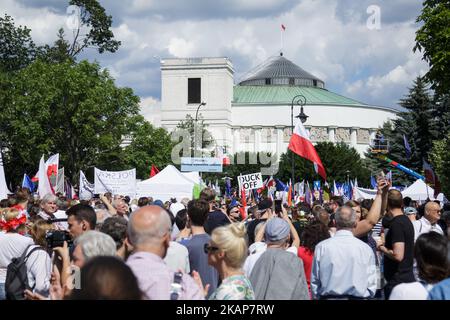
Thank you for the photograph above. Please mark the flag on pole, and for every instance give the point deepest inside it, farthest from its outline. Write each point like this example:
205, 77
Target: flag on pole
27, 183
244, 204
86, 191
60, 182
154, 170
289, 199
335, 189
227, 187
4, 191
373, 182
302, 145
407, 147
44, 182
51, 167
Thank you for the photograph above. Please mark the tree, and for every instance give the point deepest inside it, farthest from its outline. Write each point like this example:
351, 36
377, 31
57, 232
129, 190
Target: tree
432, 39
17, 49
73, 109
188, 125
440, 158
418, 125
340, 161
93, 30
149, 145
441, 114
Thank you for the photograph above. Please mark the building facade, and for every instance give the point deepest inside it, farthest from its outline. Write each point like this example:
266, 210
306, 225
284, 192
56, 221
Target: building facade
255, 114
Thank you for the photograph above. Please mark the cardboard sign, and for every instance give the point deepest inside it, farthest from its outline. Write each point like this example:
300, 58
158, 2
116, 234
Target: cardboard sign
250, 181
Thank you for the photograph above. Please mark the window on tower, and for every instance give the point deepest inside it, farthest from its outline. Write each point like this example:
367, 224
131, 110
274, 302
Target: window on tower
194, 90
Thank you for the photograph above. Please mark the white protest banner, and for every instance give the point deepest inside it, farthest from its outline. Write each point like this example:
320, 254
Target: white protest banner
250, 181
116, 182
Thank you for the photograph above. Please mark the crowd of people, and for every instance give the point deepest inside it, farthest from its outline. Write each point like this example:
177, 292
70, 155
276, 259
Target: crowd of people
113, 247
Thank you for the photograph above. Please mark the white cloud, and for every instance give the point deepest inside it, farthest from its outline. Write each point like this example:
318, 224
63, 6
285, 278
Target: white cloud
179, 47
325, 38
150, 109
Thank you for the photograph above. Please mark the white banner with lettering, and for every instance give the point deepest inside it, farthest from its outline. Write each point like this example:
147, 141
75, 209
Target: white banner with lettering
250, 181
116, 182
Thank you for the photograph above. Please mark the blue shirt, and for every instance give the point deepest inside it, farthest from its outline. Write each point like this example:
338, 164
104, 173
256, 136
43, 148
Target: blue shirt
441, 291
343, 265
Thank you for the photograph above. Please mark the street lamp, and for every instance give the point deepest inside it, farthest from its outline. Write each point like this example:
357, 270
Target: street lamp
195, 127
301, 101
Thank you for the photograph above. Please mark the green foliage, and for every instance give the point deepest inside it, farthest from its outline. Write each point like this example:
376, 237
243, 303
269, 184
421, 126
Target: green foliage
421, 124
73, 109
17, 49
148, 146
433, 40
189, 125
440, 158
97, 25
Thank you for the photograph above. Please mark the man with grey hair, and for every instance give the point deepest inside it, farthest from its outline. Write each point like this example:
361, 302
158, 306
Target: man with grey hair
428, 222
149, 230
343, 266
92, 244
49, 211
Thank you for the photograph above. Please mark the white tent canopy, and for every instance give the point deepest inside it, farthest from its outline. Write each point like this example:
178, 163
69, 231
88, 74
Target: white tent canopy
193, 175
420, 191
168, 183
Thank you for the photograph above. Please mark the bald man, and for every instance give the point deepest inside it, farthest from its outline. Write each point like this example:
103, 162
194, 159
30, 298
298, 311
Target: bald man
429, 220
149, 230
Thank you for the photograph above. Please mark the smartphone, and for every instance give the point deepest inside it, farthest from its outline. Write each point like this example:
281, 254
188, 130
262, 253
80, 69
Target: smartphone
278, 206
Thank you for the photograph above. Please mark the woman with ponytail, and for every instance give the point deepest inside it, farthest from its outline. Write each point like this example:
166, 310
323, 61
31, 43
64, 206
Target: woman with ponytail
227, 251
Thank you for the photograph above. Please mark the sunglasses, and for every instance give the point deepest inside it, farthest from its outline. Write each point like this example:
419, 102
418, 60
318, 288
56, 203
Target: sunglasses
209, 249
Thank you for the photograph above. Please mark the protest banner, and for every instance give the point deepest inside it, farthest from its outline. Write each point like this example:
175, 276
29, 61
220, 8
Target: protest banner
250, 181
116, 182
201, 164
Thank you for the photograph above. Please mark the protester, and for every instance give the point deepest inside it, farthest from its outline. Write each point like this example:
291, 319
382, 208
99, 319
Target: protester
107, 278
268, 232
39, 263
430, 252
81, 218
149, 232
116, 228
398, 248
278, 274
428, 223
177, 256
343, 266
313, 234
264, 211
13, 243
216, 218
197, 211
233, 212
227, 251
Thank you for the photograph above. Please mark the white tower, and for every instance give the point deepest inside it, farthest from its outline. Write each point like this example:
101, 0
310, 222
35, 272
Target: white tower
187, 82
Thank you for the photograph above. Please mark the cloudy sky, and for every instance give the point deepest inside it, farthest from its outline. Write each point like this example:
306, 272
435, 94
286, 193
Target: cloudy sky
338, 41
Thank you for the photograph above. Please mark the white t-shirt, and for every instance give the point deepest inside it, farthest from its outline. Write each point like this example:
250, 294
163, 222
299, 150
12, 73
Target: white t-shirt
410, 291
177, 257
259, 249
12, 245
39, 269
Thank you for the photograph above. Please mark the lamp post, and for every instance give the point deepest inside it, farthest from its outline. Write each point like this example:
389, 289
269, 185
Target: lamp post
301, 101
195, 127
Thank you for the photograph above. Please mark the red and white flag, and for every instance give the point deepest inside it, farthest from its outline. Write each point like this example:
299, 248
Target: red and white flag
302, 145
44, 183
51, 167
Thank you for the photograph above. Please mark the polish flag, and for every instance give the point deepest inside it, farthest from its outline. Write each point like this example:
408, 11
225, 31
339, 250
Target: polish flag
51, 168
302, 145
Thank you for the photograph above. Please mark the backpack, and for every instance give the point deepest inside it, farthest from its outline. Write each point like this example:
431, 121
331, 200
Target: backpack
17, 276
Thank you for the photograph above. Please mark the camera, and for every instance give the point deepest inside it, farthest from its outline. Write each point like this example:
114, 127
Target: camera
56, 238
